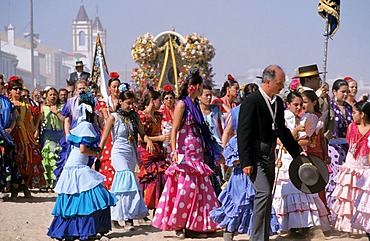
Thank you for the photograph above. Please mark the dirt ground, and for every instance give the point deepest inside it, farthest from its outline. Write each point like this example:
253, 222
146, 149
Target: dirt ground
29, 218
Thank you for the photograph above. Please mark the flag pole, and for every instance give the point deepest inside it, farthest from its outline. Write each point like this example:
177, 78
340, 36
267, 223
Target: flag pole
326, 43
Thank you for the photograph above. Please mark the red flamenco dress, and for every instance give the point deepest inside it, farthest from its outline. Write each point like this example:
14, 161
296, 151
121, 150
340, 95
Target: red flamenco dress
151, 174
106, 167
28, 155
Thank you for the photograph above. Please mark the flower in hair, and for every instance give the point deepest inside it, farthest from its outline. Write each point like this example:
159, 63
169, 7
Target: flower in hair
167, 88
347, 78
122, 87
113, 75
230, 77
295, 84
191, 89
13, 78
87, 97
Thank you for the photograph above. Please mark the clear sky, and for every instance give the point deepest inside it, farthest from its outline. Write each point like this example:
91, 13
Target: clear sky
248, 34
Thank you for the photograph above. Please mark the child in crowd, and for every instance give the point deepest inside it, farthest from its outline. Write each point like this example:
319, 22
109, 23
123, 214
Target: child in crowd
82, 208
297, 211
353, 179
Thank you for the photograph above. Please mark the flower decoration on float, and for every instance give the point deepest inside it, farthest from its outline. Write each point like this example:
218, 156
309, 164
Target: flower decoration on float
146, 74
196, 49
144, 49
205, 71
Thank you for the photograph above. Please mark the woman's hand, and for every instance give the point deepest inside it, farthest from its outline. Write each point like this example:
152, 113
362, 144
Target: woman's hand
175, 158
149, 146
9, 130
166, 137
278, 163
54, 109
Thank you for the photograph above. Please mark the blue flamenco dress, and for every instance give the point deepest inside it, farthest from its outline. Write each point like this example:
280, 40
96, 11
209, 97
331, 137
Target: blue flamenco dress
82, 208
237, 198
70, 109
125, 186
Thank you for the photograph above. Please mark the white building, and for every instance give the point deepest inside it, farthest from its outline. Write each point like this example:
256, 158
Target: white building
84, 33
48, 61
52, 65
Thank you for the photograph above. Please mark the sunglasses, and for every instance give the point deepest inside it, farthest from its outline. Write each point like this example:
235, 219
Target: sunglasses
2, 83
25, 96
69, 92
168, 98
17, 88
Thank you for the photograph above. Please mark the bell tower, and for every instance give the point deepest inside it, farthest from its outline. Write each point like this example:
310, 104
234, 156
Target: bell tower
97, 28
82, 38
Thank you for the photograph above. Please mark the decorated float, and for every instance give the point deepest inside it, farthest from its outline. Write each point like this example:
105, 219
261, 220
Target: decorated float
169, 58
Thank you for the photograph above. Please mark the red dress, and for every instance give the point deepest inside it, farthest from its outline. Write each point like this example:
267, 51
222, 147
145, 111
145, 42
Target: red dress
315, 149
106, 168
151, 174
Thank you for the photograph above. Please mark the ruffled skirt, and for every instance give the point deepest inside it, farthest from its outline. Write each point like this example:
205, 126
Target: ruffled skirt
361, 217
345, 194
187, 199
50, 155
130, 203
82, 208
236, 209
152, 176
294, 208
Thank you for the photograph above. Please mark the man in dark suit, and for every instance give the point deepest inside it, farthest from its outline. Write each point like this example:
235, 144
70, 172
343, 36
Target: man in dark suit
261, 121
78, 75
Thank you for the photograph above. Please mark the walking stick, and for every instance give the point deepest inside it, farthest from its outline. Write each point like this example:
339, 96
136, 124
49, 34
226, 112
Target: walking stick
280, 153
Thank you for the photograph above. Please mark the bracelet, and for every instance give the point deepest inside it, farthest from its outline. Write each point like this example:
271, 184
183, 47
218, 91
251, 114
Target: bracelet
175, 152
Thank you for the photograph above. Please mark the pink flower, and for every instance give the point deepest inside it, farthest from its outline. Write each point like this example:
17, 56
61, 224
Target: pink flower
191, 89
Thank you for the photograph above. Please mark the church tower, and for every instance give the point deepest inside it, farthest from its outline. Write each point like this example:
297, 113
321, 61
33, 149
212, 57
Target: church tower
97, 28
83, 38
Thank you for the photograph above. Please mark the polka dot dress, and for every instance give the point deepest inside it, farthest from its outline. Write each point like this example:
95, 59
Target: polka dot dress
106, 168
188, 195
337, 151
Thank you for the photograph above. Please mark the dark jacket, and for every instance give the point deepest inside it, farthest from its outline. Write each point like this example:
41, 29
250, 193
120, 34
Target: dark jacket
73, 77
256, 139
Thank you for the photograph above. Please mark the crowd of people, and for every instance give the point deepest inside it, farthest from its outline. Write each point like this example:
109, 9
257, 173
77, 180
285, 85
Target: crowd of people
198, 160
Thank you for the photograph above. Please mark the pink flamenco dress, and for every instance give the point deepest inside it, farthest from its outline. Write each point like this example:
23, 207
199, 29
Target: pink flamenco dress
353, 183
188, 195
106, 167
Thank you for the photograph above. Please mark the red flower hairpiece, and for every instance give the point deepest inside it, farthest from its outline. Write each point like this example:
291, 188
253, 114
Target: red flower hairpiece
167, 88
230, 77
347, 78
12, 78
113, 75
